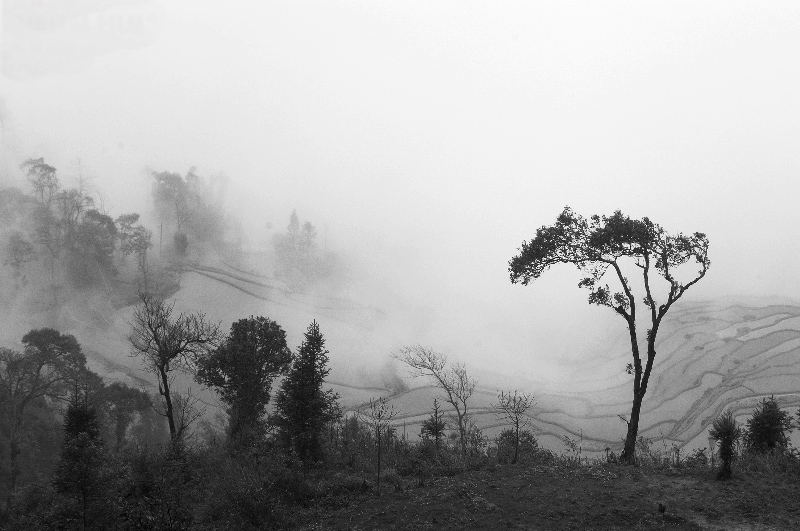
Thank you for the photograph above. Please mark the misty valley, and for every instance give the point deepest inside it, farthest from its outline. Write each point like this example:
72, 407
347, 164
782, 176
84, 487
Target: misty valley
160, 372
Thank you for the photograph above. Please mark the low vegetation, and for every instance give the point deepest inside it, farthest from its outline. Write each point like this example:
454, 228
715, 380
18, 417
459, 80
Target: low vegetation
308, 465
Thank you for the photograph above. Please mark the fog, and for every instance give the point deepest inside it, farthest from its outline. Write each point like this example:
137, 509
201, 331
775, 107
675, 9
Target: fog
427, 140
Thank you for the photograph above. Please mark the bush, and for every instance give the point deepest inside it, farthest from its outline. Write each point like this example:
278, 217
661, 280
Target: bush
528, 445
31, 508
698, 459
769, 465
243, 491
768, 429
727, 434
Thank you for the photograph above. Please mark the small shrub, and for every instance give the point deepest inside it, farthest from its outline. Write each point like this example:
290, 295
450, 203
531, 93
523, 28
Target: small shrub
528, 445
32, 508
574, 447
698, 459
727, 434
769, 465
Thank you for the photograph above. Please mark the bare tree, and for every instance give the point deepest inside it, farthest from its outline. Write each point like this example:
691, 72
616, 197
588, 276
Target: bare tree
454, 381
378, 416
511, 408
167, 343
187, 411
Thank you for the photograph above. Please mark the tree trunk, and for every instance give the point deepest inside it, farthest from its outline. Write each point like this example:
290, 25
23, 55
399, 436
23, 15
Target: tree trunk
629, 452
168, 401
463, 433
119, 430
14, 452
378, 434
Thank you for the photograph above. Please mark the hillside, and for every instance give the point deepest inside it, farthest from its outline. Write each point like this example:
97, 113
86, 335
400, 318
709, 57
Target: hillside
563, 496
711, 356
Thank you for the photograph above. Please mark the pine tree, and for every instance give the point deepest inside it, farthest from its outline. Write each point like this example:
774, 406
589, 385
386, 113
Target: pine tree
81, 472
769, 427
434, 425
303, 408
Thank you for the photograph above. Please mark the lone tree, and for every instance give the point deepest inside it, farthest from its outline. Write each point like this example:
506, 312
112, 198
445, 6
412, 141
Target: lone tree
604, 244
167, 343
242, 370
511, 408
454, 381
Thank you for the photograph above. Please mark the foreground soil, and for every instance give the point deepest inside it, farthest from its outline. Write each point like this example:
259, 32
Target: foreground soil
563, 496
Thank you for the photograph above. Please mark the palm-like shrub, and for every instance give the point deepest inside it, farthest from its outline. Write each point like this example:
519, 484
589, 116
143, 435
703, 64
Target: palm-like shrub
727, 434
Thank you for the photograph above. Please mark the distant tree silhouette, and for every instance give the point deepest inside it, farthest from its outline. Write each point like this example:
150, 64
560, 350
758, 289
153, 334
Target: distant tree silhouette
44, 180
141, 243
602, 244
18, 252
190, 205
176, 200
181, 243
242, 369
303, 408
91, 250
125, 227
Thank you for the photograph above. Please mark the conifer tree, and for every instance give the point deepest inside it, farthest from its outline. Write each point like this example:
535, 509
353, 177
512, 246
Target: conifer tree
769, 428
303, 408
81, 472
434, 425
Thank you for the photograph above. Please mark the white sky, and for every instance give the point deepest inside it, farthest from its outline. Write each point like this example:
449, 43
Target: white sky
441, 134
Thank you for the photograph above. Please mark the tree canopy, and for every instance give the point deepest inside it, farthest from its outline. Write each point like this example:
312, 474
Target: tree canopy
605, 244
243, 367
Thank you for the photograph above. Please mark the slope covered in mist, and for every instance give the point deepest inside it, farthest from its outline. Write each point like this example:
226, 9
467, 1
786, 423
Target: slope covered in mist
711, 356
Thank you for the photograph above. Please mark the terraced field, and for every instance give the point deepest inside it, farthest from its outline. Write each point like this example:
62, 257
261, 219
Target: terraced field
711, 356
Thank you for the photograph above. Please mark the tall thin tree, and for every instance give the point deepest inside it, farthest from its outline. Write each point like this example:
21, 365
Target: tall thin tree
603, 245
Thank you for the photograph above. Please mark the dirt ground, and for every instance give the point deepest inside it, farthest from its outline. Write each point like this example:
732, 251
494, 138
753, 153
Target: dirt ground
562, 497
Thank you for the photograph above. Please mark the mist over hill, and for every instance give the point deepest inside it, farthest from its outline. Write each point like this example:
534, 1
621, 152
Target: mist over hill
712, 356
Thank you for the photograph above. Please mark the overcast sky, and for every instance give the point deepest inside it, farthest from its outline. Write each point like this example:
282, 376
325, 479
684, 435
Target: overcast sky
440, 134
